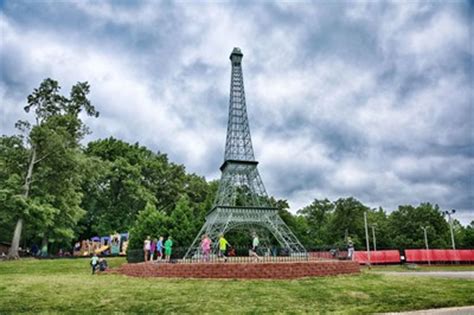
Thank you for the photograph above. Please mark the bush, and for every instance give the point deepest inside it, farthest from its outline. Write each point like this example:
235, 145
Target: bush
150, 222
135, 255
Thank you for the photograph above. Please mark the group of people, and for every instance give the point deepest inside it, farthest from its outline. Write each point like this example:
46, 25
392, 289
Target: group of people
223, 247
150, 247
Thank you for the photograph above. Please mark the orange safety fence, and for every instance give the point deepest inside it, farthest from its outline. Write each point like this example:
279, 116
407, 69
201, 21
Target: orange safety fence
378, 257
439, 255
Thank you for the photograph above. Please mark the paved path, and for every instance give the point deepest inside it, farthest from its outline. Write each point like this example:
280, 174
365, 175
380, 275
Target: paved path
466, 310
441, 274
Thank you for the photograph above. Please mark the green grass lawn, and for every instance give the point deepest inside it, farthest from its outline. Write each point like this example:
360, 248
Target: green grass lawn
66, 285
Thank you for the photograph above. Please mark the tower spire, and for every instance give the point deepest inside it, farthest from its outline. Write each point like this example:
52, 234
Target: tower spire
238, 143
240, 183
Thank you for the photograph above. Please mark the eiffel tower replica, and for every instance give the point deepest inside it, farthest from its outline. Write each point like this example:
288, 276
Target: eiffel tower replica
242, 200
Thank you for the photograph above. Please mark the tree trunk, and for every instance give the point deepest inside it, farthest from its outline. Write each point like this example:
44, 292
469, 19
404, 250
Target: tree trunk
13, 251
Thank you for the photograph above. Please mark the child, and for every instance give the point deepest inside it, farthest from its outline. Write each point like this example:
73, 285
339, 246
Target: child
146, 248
102, 264
152, 249
168, 245
94, 262
159, 248
223, 247
206, 247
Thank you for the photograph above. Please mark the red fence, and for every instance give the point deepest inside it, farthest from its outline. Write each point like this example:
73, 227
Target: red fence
411, 255
378, 257
439, 255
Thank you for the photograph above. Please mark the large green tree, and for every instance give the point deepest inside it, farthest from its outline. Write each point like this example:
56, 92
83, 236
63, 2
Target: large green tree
348, 221
13, 161
405, 226
127, 177
50, 189
318, 215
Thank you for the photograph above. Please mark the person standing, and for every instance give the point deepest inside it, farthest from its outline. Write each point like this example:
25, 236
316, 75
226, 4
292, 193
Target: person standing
44, 249
206, 247
159, 248
223, 247
152, 249
94, 262
350, 248
255, 244
146, 248
168, 246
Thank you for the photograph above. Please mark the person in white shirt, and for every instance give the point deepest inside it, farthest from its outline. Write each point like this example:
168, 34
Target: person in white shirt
146, 248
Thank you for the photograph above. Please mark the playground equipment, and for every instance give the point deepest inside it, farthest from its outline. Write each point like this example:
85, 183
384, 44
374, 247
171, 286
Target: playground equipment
115, 244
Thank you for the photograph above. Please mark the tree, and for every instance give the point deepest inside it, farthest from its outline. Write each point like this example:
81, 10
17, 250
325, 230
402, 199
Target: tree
405, 226
50, 183
468, 240
181, 226
318, 215
13, 161
149, 222
348, 220
378, 218
130, 177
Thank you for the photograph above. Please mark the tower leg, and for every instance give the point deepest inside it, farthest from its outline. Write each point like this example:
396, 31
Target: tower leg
284, 235
222, 220
216, 224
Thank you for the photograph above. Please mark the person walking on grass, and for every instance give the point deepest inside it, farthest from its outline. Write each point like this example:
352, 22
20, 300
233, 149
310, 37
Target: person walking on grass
152, 249
159, 249
94, 262
223, 247
168, 246
206, 247
146, 248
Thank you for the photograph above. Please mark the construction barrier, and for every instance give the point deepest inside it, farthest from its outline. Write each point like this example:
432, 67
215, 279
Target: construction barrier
439, 255
378, 257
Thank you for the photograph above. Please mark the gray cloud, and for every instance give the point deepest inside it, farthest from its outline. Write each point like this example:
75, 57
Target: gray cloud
370, 100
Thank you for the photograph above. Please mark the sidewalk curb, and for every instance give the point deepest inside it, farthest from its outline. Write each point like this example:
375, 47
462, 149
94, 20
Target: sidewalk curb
463, 310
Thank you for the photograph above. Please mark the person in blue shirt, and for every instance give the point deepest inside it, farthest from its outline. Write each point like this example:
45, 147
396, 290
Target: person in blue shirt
159, 248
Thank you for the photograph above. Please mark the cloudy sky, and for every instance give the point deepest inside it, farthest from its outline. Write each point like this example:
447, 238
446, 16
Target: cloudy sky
371, 100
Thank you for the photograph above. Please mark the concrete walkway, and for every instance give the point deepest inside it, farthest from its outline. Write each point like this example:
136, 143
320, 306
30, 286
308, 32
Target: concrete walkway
441, 274
466, 310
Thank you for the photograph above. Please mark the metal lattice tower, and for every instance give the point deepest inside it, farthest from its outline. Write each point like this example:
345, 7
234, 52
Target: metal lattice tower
241, 199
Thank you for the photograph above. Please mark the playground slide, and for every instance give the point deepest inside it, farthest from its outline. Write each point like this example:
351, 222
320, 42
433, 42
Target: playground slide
101, 249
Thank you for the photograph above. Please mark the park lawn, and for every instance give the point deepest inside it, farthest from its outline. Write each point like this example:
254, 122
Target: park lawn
66, 285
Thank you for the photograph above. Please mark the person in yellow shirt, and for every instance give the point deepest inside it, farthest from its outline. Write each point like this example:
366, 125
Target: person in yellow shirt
223, 247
